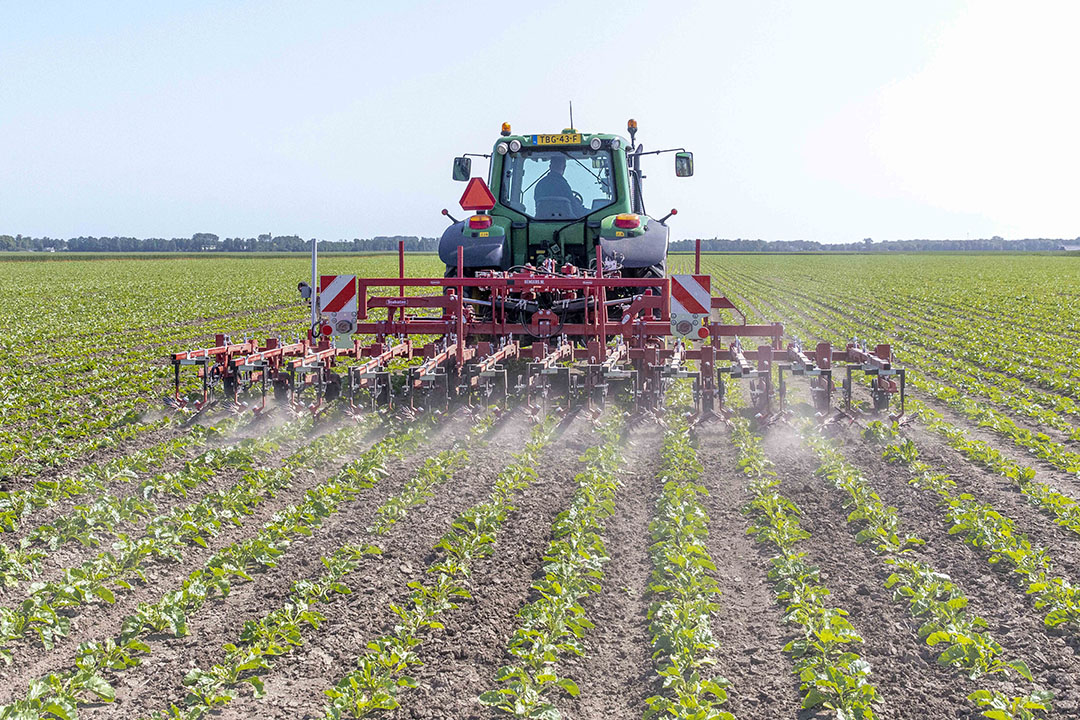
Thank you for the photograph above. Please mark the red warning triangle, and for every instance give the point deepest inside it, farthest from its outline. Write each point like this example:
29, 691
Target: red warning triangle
477, 196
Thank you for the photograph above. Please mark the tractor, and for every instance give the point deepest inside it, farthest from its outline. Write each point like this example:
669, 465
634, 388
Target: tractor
556, 199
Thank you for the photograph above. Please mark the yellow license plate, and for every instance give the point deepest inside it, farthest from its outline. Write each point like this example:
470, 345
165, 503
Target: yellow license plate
563, 139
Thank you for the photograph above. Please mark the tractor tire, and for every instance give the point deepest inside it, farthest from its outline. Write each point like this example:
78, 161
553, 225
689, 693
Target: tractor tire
333, 387
658, 271
281, 391
230, 385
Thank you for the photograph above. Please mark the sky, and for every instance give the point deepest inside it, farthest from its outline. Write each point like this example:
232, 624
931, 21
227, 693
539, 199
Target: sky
829, 121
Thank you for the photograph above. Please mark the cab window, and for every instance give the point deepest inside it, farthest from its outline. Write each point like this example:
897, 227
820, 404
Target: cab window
562, 184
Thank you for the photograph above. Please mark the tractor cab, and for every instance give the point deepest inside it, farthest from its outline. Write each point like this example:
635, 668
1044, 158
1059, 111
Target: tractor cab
555, 199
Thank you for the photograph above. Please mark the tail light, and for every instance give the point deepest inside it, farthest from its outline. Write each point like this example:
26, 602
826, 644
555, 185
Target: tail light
480, 222
627, 221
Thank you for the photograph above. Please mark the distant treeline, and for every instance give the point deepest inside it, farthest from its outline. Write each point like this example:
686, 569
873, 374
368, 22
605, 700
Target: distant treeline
994, 244
208, 242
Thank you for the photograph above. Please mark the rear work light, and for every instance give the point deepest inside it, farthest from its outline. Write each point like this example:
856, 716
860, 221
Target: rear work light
480, 222
627, 221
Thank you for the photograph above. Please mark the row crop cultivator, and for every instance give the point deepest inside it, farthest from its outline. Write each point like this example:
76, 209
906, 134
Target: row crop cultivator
556, 290
569, 336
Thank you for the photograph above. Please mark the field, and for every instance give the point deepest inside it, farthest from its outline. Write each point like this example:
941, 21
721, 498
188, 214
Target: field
487, 564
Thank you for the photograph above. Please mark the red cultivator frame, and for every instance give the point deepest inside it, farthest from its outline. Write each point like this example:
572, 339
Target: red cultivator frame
564, 335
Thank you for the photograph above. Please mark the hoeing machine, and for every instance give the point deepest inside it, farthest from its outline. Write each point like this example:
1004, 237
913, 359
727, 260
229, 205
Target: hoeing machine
555, 287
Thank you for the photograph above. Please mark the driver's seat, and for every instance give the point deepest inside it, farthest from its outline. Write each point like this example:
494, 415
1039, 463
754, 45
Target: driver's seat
553, 207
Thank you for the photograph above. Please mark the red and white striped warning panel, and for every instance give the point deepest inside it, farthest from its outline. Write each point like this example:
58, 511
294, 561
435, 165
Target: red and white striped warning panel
337, 303
337, 293
691, 303
691, 293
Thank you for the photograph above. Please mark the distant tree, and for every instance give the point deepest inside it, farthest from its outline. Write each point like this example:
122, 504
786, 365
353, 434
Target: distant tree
205, 241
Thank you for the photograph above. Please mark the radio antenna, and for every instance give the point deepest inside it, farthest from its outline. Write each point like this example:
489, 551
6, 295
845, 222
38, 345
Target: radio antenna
571, 113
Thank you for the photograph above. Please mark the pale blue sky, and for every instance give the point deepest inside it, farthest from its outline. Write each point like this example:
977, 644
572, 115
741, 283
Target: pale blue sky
828, 121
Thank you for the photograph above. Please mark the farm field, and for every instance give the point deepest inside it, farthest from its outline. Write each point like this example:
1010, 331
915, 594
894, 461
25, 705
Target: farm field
486, 563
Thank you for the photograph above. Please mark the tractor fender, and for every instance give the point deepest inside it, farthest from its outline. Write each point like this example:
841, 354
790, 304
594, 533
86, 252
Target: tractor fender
645, 250
486, 252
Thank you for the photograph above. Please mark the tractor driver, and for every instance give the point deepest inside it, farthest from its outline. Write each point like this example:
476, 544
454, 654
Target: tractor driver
554, 185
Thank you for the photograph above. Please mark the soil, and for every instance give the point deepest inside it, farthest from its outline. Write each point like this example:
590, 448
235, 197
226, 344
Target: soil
749, 625
616, 673
463, 662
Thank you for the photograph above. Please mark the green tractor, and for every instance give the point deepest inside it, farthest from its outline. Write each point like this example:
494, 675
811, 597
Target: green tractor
558, 197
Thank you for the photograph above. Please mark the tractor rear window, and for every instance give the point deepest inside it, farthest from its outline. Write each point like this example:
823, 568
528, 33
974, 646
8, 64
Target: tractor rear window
563, 184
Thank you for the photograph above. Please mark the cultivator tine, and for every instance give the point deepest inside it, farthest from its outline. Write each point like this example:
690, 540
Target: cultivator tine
816, 368
198, 413
760, 376
901, 417
876, 365
486, 373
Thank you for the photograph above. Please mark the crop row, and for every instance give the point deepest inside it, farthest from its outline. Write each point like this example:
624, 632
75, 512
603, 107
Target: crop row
917, 349
279, 631
912, 301
96, 478
957, 637
1063, 509
78, 373
86, 524
831, 674
23, 562
555, 623
383, 669
997, 536
682, 584
1037, 443
31, 451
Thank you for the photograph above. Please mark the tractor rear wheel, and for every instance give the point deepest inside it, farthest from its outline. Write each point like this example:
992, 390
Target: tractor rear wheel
333, 387
659, 270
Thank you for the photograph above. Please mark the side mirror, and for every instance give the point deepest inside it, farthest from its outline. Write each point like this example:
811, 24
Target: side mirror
684, 164
462, 168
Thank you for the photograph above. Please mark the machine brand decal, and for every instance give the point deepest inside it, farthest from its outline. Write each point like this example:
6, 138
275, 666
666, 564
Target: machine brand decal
392, 301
